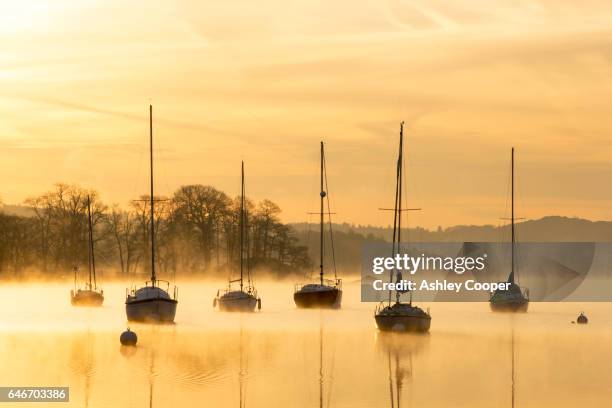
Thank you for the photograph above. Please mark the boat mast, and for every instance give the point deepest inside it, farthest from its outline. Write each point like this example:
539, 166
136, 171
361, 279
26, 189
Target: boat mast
242, 226
92, 260
395, 204
511, 277
322, 215
399, 198
152, 221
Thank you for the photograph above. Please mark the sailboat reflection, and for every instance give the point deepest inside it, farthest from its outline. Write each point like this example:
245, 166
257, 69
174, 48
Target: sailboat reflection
400, 350
325, 400
512, 370
151, 378
243, 369
83, 363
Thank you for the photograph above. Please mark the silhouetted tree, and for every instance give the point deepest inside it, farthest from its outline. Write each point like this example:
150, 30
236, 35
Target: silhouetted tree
201, 208
197, 224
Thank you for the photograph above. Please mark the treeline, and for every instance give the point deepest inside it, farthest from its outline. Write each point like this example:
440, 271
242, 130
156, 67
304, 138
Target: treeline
545, 229
196, 230
344, 251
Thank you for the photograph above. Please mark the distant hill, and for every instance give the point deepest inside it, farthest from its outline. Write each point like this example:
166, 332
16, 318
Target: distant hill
349, 239
551, 228
19, 210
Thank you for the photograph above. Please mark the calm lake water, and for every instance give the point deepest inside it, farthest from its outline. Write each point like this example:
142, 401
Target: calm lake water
284, 357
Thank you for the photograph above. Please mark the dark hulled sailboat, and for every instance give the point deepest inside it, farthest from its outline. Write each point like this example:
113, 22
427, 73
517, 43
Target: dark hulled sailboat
245, 299
402, 317
151, 303
326, 293
91, 295
515, 298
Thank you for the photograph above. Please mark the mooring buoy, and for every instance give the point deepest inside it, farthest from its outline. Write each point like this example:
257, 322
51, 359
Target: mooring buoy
128, 338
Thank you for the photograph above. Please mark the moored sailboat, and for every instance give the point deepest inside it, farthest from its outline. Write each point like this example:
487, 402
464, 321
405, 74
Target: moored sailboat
151, 303
325, 293
91, 294
399, 316
515, 298
245, 299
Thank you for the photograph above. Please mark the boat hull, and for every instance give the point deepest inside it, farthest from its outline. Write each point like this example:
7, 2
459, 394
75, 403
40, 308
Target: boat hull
402, 317
246, 303
514, 299
511, 300
88, 298
395, 323
158, 310
318, 299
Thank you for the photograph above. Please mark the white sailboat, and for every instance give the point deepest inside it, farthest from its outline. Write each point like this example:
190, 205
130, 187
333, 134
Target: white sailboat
245, 298
326, 293
398, 316
91, 294
515, 298
152, 303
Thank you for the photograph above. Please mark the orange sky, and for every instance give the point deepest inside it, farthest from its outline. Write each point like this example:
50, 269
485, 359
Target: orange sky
265, 81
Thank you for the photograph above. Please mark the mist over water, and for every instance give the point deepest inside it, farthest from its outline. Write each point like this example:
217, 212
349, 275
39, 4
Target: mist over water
285, 357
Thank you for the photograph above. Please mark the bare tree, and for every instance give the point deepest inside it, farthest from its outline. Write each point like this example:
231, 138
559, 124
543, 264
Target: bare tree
199, 207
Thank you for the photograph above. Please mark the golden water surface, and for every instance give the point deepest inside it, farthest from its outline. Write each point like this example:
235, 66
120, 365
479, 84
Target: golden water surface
284, 357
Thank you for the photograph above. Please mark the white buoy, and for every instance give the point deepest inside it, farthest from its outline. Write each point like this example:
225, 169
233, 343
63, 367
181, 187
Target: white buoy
128, 338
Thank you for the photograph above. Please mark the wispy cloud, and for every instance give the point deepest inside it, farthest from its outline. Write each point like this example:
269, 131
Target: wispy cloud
266, 81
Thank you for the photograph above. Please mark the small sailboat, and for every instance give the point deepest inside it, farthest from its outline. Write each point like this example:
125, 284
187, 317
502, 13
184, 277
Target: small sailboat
325, 293
402, 317
244, 299
151, 303
91, 294
515, 298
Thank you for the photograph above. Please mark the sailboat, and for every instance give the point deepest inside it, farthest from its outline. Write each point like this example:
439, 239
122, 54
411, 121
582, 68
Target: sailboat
402, 317
515, 298
326, 293
151, 303
245, 299
91, 295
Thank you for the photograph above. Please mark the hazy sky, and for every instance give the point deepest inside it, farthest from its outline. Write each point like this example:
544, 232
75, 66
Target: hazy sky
265, 81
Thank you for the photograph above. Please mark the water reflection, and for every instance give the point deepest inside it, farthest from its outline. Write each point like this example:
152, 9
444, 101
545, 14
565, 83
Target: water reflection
243, 371
326, 364
399, 349
152, 376
512, 364
82, 362
285, 357
127, 351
